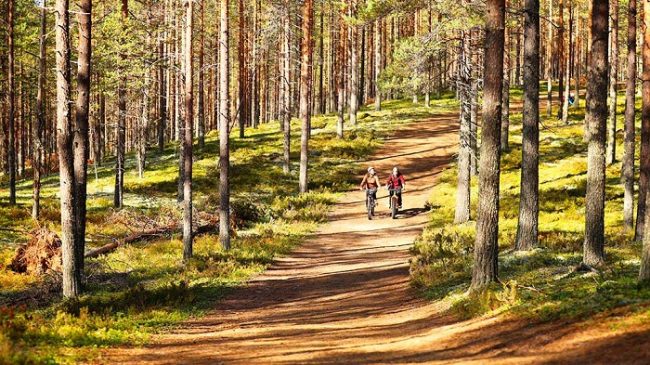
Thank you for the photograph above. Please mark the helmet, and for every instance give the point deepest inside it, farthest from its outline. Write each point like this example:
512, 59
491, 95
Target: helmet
371, 169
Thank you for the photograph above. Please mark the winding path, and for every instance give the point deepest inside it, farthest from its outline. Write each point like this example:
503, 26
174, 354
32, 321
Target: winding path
343, 297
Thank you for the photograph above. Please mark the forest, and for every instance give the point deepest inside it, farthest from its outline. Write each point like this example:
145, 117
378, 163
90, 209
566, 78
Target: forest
191, 181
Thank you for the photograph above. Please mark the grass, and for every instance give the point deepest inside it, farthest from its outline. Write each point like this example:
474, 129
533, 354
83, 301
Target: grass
144, 288
541, 284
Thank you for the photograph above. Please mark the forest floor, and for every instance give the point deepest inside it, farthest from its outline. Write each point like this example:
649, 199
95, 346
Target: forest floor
345, 296
341, 294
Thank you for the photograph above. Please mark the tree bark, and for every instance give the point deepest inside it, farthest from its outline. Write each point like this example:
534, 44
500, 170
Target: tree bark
486, 249
462, 214
121, 125
285, 84
630, 115
340, 79
224, 124
201, 90
81, 128
644, 272
561, 57
188, 134
567, 71
596, 117
613, 75
378, 62
11, 91
354, 68
71, 268
305, 81
527, 227
243, 75
38, 149
162, 88
505, 113
549, 62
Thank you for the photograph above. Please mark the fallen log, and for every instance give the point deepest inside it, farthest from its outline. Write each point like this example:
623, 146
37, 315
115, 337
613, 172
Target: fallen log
148, 235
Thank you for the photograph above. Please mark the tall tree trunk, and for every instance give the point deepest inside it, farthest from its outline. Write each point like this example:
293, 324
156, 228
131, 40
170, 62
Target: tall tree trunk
142, 125
644, 272
505, 100
462, 214
188, 134
71, 270
354, 67
254, 101
201, 91
561, 57
162, 88
81, 128
319, 107
243, 75
305, 86
340, 79
549, 62
567, 70
630, 114
596, 117
11, 91
121, 125
333, 62
527, 227
224, 124
613, 75
475, 34
378, 62
486, 252
285, 84
38, 150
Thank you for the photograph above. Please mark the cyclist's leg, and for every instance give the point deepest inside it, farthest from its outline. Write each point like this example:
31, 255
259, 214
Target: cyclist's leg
399, 197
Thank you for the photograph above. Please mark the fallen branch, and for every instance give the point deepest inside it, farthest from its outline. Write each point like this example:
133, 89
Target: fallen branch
148, 235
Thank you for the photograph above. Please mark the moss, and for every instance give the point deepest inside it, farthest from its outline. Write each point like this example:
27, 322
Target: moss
547, 286
141, 288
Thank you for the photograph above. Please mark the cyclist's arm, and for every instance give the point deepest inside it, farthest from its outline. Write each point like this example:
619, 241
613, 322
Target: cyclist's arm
403, 181
364, 181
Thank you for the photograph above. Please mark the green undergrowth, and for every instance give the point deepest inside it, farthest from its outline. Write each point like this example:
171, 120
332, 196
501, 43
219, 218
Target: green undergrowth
542, 284
143, 288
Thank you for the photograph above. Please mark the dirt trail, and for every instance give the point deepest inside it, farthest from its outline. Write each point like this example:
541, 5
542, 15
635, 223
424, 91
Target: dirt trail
344, 295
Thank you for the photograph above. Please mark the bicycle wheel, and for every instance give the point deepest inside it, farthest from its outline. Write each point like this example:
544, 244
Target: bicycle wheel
369, 205
393, 207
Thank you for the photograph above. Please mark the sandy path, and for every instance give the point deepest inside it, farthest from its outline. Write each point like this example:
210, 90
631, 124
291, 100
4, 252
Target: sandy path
344, 296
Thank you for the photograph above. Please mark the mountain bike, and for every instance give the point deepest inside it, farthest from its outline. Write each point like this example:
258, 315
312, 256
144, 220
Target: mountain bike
394, 201
370, 202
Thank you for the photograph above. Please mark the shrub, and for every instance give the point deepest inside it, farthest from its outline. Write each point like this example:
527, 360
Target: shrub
442, 259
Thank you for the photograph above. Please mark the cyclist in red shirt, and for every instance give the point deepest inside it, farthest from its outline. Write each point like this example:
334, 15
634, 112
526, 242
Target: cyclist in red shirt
397, 183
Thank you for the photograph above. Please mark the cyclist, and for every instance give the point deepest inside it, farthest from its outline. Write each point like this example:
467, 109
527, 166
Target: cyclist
371, 183
397, 183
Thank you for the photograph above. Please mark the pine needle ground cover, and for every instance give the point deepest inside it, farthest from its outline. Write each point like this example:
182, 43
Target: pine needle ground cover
541, 284
143, 288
